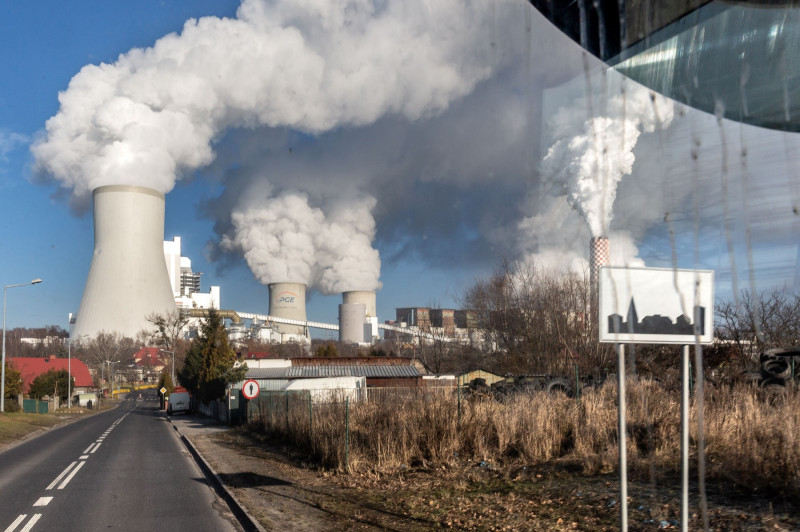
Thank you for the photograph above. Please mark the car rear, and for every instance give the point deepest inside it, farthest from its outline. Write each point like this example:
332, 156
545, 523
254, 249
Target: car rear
179, 401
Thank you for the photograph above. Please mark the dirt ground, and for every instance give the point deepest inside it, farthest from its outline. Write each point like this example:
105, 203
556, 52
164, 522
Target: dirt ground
283, 493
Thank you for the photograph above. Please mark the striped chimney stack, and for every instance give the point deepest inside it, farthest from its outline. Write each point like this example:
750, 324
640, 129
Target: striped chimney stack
599, 255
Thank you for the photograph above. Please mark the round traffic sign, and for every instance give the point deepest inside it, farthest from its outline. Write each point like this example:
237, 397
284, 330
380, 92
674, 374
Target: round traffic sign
250, 389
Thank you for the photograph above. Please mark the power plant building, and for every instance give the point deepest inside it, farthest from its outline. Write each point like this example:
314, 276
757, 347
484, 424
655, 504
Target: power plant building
185, 282
445, 324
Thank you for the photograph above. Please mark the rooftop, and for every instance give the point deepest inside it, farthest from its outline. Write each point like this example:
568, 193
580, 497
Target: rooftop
32, 367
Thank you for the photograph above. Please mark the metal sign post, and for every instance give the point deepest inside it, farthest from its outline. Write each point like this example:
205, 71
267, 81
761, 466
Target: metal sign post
656, 306
685, 438
623, 439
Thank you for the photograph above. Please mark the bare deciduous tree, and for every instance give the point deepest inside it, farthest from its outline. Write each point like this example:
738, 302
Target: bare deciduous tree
169, 327
105, 353
754, 322
539, 320
169, 334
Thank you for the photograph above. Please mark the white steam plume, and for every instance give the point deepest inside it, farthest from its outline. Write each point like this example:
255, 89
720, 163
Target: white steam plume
285, 239
591, 154
306, 65
310, 65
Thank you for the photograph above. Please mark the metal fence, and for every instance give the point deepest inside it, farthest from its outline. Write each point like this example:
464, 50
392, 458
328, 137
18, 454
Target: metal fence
34, 406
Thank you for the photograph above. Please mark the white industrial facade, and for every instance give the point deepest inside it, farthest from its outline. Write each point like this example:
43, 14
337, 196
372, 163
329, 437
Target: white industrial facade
185, 282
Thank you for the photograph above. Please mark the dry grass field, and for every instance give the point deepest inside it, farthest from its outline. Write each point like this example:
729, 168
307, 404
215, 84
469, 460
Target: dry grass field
478, 463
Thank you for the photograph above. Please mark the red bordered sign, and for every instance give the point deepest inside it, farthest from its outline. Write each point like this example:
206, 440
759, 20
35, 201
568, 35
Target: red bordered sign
250, 389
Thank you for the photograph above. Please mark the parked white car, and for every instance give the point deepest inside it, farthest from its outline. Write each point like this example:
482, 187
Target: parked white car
179, 401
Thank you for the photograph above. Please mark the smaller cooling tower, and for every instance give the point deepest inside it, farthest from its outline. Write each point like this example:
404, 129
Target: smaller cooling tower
362, 296
351, 322
288, 300
128, 277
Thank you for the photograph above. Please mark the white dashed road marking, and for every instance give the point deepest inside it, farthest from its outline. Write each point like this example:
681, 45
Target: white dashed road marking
13, 526
30, 523
64, 478
72, 474
59, 477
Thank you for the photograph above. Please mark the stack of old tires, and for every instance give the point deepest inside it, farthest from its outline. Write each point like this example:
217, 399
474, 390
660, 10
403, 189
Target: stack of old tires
559, 386
479, 388
778, 368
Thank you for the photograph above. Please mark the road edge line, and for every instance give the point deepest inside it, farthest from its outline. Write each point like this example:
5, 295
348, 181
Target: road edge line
242, 515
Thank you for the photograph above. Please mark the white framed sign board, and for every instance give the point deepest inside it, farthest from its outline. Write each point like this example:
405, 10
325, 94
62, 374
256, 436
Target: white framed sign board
656, 306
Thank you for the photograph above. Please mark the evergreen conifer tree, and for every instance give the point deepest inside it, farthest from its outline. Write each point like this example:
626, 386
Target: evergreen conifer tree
209, 365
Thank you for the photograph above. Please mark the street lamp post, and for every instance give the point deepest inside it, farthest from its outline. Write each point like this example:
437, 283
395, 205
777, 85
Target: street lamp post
173, 364
111, 375
3, 363
69, 370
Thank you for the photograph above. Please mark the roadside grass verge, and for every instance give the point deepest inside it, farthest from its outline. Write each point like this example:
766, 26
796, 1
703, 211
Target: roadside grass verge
15, 426
751, 441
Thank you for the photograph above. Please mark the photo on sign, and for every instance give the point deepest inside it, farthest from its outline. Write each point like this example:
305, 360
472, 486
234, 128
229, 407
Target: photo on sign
656, 305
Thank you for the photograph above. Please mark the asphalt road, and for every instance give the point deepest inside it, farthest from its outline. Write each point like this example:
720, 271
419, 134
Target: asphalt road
123, 469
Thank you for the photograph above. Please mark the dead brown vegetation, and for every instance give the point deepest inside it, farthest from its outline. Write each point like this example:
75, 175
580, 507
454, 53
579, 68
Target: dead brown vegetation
751, 441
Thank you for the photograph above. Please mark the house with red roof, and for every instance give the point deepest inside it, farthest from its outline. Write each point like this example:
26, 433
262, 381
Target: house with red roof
150, 362
32, 367
150, 356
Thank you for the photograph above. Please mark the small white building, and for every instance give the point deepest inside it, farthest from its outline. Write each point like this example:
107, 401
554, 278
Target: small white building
330, 389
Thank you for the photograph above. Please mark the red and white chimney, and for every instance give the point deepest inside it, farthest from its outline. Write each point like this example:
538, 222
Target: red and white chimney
599, 255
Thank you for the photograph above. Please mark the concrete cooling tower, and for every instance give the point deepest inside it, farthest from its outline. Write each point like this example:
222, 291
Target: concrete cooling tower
351, 323
128, 277
362, 296
288, 300
369, 317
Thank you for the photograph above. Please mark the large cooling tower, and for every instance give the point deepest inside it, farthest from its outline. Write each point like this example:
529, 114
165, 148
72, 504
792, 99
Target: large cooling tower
362, 296
288, 300
128, 277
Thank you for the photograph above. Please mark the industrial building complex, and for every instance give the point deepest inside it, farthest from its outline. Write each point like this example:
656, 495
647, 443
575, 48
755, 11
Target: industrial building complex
134, 274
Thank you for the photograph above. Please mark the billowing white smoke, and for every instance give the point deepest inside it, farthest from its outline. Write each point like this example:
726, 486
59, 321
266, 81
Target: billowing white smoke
307, 65
284, 239
590, 155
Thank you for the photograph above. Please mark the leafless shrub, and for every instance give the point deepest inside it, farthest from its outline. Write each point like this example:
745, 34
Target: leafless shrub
538, 320
753, 322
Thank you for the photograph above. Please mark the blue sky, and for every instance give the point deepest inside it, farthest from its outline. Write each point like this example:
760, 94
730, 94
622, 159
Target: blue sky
42, 46
451, 185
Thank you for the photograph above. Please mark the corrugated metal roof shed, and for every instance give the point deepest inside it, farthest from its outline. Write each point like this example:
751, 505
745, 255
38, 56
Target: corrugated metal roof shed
266, 373
304, 372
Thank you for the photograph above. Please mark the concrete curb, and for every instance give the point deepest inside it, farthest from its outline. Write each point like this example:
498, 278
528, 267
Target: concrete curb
248, 522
